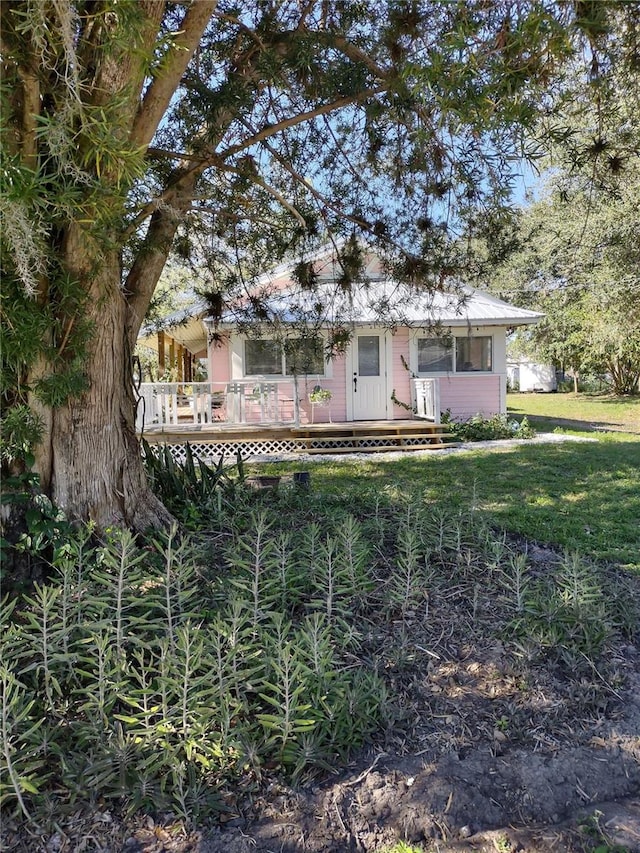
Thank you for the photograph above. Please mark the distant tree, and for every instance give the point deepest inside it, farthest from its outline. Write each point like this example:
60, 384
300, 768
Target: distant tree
575, 254
135, 128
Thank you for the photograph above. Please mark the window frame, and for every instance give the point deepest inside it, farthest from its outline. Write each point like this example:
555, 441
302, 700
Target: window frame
454, 354
470, 338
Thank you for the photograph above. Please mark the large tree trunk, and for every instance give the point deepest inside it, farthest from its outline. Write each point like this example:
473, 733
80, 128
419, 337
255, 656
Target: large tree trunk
90, 462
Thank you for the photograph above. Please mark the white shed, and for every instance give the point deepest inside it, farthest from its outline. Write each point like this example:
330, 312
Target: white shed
526, 375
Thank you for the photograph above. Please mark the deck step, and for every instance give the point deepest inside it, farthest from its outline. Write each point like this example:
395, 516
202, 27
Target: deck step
373, 448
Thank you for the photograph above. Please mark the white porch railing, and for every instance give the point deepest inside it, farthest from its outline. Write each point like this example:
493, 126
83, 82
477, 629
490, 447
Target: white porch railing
427, 399
250, 401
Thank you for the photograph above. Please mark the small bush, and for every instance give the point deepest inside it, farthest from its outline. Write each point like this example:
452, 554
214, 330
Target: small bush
496, 427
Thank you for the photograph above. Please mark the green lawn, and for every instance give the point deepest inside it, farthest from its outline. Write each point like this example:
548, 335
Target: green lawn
581, 496
578, 412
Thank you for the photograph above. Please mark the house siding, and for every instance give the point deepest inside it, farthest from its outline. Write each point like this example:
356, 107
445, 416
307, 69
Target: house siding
219, 361
337, 384
466, 396
401, 376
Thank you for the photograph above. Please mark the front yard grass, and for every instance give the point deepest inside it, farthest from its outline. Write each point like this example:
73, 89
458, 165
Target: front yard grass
577, 412
577, 496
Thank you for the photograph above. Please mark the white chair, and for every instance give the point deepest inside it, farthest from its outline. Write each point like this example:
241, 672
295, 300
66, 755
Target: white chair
265, 396
235, 402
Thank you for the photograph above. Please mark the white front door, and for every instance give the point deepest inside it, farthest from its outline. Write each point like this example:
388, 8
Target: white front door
370, 351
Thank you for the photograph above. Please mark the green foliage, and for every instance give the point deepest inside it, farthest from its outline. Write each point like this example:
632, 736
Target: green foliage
192, 488
479, 428
320, 395
50, 337
150, 686
575, 251
34, 530
563, 616
403, 847
575, 495
304, 123
21, 431
597, 833
155, 674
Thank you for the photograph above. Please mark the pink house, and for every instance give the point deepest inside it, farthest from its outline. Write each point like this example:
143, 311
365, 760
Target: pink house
405, 353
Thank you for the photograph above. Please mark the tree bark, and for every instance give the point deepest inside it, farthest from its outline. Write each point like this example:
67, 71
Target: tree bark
90, 462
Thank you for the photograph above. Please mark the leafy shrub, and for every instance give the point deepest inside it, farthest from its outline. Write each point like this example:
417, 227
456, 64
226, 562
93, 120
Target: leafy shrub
478, 428
190, 489
33, 529
131, 677
20, 431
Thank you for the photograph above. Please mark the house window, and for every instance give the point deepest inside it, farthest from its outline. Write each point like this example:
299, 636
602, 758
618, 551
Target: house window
304, 356
473, 353
262, 357
267, 357
434, 356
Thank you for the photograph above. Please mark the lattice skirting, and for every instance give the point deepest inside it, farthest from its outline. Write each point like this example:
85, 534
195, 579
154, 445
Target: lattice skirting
355, 442
211, 453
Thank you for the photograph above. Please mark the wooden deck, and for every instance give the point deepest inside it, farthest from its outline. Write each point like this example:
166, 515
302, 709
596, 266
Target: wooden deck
353, 437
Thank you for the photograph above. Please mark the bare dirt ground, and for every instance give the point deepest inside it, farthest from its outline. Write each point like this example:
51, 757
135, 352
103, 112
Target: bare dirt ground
486, 799
572, 786
486, 750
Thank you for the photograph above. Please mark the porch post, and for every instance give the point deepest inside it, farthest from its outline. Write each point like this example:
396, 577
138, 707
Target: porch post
161, 363
296, 401
180, 363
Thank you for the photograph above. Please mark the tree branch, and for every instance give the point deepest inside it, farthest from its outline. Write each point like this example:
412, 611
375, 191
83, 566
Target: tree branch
355, 54
173, 155
30, 113
200, 165
151, 258
322, 199
272, 130
158, 96
257, 179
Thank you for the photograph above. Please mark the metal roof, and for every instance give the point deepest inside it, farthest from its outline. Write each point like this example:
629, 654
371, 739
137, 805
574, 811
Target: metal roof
377, 301
391, 303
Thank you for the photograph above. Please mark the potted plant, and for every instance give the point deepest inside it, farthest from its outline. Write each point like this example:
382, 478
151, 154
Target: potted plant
320, 395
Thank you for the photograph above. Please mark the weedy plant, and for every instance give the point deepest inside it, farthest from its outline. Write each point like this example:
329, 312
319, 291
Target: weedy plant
567, 614
122, 685
156, 674
191, 489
